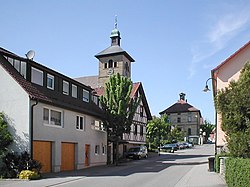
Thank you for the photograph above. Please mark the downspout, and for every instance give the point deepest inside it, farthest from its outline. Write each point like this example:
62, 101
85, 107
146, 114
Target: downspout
31, 128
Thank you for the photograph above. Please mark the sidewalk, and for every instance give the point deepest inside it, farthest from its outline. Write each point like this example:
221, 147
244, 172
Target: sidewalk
200, 176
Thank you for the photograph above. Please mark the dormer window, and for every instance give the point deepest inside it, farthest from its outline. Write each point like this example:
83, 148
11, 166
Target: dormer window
85, 95
37, 76
50, 81
65, 87
74, 91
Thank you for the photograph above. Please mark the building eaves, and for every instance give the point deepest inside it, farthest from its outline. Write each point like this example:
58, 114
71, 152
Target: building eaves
230, 57
114, 50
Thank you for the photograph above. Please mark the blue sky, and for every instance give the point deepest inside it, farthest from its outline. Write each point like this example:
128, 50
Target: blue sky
175, 43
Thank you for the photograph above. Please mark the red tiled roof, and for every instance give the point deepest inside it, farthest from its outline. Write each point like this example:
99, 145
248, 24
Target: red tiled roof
136, 87
180, 106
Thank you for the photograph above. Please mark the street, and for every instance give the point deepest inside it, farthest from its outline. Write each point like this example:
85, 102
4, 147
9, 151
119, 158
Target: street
168, 169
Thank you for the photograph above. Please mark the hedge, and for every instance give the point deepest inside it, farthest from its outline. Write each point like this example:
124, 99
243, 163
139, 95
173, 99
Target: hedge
238, 172
217, 161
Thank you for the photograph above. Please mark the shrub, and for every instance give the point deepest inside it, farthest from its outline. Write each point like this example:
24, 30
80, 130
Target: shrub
15, 163
217, 161
27, 174
237, 172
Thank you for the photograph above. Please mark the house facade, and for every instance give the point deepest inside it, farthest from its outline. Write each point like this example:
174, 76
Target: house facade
222, 75
50, 115
187, 118
113, 60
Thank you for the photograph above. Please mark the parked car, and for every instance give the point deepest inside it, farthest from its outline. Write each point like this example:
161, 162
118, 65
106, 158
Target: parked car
137, 152
188, 144
169, 147
182, 146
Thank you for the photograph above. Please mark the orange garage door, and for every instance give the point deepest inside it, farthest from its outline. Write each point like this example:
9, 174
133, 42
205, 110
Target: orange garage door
68, 156
42, 153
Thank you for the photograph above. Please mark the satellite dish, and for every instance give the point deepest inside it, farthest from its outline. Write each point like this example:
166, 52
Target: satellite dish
30, 55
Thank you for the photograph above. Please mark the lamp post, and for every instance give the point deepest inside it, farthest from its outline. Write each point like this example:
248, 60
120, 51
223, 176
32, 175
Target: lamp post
206, 89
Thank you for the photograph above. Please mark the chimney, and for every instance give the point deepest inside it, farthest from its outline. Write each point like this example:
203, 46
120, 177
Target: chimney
182, 96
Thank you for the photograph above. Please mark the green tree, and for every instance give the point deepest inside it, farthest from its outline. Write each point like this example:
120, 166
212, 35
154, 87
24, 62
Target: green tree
158, 131
207, 127
119, 108
233, 103
177, 134
5, 136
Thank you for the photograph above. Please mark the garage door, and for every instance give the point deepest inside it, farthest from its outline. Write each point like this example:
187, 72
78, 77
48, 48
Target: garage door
42, 153
68, 156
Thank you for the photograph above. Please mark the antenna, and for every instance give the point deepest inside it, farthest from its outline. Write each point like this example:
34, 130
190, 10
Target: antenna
30, 55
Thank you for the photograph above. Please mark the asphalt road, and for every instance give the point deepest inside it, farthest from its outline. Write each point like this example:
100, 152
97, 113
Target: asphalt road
168, 169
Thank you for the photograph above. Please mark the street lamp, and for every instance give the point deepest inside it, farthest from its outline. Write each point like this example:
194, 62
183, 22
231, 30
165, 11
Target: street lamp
206, 89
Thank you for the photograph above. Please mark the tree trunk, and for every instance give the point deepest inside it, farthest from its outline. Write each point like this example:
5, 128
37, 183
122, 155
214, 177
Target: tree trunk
116, 153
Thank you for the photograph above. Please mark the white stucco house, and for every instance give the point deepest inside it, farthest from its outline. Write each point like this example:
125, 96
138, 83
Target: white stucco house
53, 117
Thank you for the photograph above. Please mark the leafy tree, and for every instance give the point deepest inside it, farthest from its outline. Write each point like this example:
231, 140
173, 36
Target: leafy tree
177, 134
119, 108
207, 127
5, 136
233, 103
158, 131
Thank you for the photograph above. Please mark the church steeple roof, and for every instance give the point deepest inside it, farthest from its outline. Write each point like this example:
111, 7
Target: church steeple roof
115, 48
115, 35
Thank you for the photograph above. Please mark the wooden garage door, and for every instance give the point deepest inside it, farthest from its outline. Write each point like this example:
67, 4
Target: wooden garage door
42, 153
68, 156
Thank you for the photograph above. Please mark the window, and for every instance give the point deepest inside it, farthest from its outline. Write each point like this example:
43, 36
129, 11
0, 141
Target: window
115, 64
36, 76
141, 111
95, 99
189, 131
65, 87
23, 69
97, 149
52, 117
85, 95
110, 63
141, 130
98, 125
104, 148
17, 65
105, 65
50, 81
189, 119
80, 123
74, 91
178, 120
135, 132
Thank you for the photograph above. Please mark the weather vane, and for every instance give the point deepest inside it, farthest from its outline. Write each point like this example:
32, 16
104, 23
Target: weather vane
115, 21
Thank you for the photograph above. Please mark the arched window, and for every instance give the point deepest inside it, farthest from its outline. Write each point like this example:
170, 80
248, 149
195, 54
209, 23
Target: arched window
110, 63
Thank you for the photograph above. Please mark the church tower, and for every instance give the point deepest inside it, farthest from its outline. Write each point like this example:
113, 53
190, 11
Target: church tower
113, 59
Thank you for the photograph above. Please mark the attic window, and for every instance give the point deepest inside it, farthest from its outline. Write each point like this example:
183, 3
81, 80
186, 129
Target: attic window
36, 76
50, 82
85, 95
74, 91
65, 87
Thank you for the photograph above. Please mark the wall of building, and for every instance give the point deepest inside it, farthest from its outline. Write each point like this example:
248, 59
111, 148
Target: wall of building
14, 103
187, 120
69, 133
225, 74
